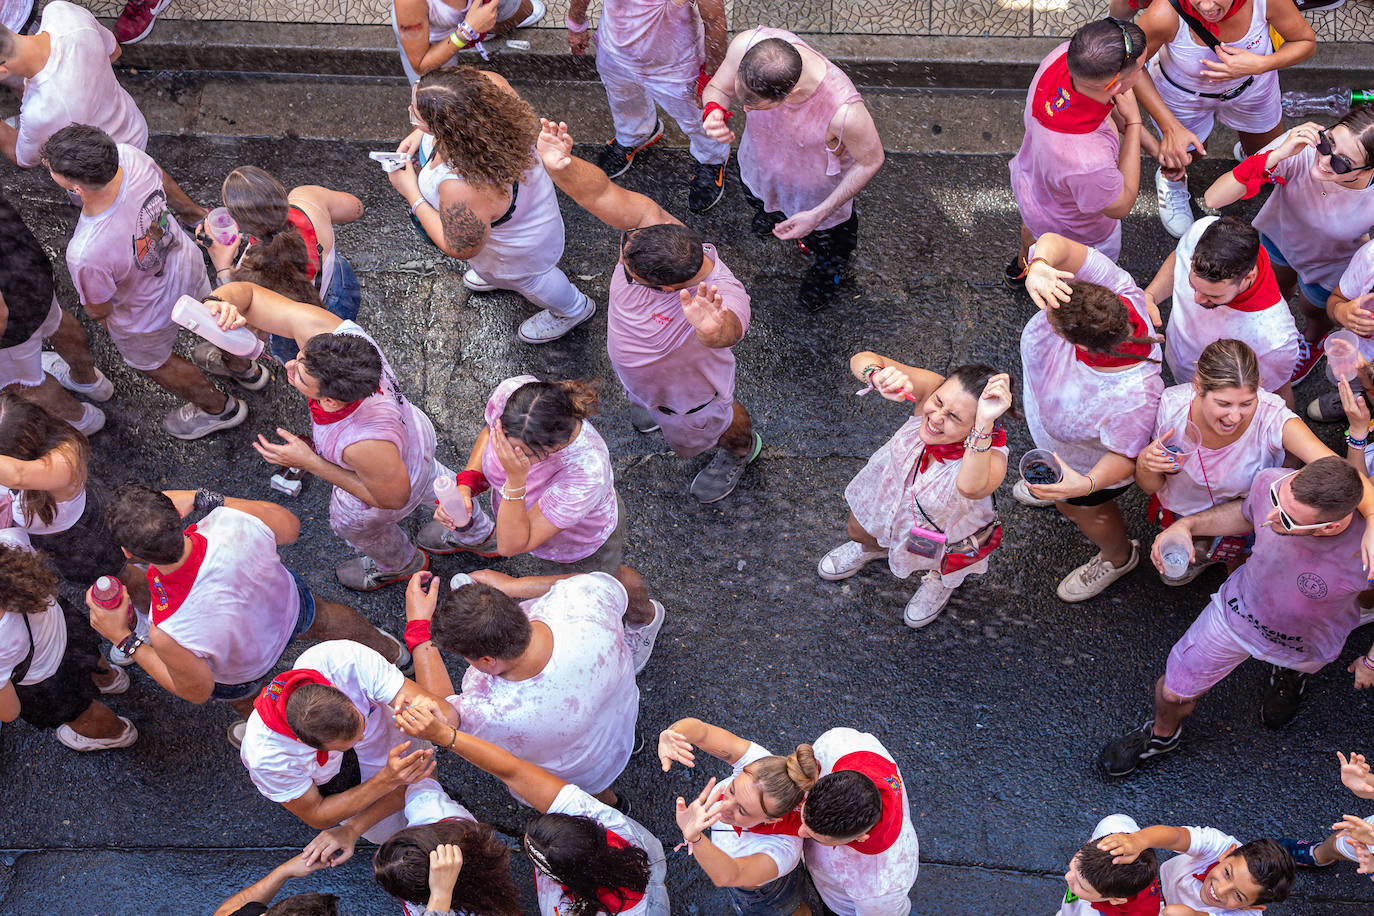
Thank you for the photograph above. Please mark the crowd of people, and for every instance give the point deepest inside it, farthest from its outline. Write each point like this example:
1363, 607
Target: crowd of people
549, 699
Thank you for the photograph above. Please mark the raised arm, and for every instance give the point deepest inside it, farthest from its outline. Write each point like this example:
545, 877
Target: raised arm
589, 187
675, 743
55, 470
412, 23
717, 32
341, 206
266, 888
721, 89
891, 377
284, 524
1128, 157
1228, 188
255, 306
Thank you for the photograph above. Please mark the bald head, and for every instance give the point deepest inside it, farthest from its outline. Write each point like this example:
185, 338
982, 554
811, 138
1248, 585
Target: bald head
768, 71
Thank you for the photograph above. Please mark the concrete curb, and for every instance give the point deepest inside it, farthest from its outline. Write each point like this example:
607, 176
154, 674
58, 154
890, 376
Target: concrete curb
871, 60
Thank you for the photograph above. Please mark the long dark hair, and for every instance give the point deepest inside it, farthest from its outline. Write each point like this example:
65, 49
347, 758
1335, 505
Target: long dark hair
543, 415
28, 433
280, 259
573, 850
484, 886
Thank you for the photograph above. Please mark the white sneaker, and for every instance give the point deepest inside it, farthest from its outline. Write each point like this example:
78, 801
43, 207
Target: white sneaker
1175, 204
119, 658
118, 685
190, 422
99, 390
545, 326
235, 734
1093, 577
476, 283
930, 599
92, 420
77, 742
1022, 494
1238, 152
845, 560
535, 15
640, 639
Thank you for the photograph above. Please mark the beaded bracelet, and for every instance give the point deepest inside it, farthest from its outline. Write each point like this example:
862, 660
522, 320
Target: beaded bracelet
1365, 660
1358, 443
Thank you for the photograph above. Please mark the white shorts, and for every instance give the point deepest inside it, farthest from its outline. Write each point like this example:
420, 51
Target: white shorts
1255, 111
22, 364
1345, 848
145, 350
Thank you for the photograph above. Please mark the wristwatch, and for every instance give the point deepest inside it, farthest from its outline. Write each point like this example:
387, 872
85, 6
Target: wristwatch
207, 500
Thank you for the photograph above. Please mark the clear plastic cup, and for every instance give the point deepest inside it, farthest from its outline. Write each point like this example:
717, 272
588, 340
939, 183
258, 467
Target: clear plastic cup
1184, 442
1173, 550
1343, 354
1038, 468
221, 226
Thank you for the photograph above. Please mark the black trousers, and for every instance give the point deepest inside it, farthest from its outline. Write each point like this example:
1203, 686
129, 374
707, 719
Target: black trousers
832, 247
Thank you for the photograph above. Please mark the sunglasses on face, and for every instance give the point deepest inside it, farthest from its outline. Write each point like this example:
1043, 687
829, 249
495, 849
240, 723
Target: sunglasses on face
1284, 518
1341, 165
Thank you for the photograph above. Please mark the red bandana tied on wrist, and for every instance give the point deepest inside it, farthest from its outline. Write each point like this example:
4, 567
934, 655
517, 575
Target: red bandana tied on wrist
1126, 354
954, 451
883, 772
1060, 107
417, 631
475, 481
1213, 27
1252, 173
610, 900
716, 106
271, 703
325, 417
169, 590
1263, 293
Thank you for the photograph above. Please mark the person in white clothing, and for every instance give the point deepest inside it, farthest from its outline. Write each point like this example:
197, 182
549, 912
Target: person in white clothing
224, 607
743, 831
551, 680
1096, 884
1350, 305
1222, 66
1092, 386
69, 80
339, 697
51, 672
1213, 872
938, 471
657, 52
1227, 290
584, 852
430, 33
130, 262
481, 194
861, 848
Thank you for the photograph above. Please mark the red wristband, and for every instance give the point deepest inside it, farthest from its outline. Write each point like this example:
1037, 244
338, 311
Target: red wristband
475, 481
417, 631
716, 106
703, 78
1254, 175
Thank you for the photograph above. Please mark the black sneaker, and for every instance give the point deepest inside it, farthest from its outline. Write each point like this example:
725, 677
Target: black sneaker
706, 187
1282, 697
1302, 853
819, 286
622, 803
615, 159
764, 221
1122, 755
1012, 275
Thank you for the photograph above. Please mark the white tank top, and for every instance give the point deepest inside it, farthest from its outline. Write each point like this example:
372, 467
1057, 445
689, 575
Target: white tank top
68, 514
443, 19
1182, 56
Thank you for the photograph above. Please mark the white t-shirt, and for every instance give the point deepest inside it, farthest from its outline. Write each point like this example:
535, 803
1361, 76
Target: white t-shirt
1357, 280
850, 882
243, 605
576, 718
784, 850
1271, 333
284, 769
1178, 876
49, 641
76, 86
572, 800
135, 254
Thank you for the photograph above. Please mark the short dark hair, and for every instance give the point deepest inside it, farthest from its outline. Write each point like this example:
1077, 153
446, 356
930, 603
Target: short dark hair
145, 522
1227, 250
842, 805
321, 713
311, 904
768, 71
664, 255
484, 886
478, 621
973, 378
1269, 863
1097, 50
82, 153
347, 367
1329, 485
9, 42
1095, 866
544, 415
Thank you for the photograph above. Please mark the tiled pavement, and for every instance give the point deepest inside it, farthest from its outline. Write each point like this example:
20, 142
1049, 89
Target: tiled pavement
994, 18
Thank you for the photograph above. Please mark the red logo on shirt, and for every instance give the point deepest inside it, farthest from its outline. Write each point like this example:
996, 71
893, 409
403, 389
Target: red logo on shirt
662, 318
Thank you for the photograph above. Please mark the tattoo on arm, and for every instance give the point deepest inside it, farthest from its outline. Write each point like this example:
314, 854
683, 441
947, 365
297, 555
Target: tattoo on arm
463, 229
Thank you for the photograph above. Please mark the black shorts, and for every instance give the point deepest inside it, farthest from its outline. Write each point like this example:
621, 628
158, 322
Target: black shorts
68, 692
85, 551
1098, 497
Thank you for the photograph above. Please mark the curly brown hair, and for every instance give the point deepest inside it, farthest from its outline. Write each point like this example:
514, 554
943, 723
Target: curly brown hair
480, 130
25, 580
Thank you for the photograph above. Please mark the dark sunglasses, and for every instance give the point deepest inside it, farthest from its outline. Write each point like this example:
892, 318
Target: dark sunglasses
1125, 54
1284, 518
1339, 164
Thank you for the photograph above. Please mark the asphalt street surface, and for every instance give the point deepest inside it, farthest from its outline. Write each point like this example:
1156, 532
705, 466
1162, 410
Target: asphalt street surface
995, 712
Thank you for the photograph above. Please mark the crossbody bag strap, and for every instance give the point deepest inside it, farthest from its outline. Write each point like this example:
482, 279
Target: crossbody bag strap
21, 670
1195, 26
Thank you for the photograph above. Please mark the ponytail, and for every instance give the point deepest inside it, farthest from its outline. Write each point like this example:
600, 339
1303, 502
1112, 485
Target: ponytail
784, 781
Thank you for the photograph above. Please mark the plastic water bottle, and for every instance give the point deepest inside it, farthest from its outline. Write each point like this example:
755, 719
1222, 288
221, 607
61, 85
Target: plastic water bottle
194, 315
222, 227
108, 592
446, 491
1335, 101
1175, 555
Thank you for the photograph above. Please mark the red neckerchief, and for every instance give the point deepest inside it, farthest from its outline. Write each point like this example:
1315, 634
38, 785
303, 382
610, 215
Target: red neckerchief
1207, 871
1060, 107
883, 772
609, 898
325, 417
1144, 903
1263, 293
787, 824
271, 703
169, 590
1127, 354
1213, 27
953, 451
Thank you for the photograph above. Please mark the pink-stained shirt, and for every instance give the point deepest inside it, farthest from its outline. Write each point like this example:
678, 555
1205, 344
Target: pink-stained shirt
1295, 599
1063, 182
573, 488
1317, 225
660, 39
783, 157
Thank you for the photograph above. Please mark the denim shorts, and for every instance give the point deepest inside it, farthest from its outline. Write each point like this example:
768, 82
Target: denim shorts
779, 897
304, 618
343, 300
1317, 295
